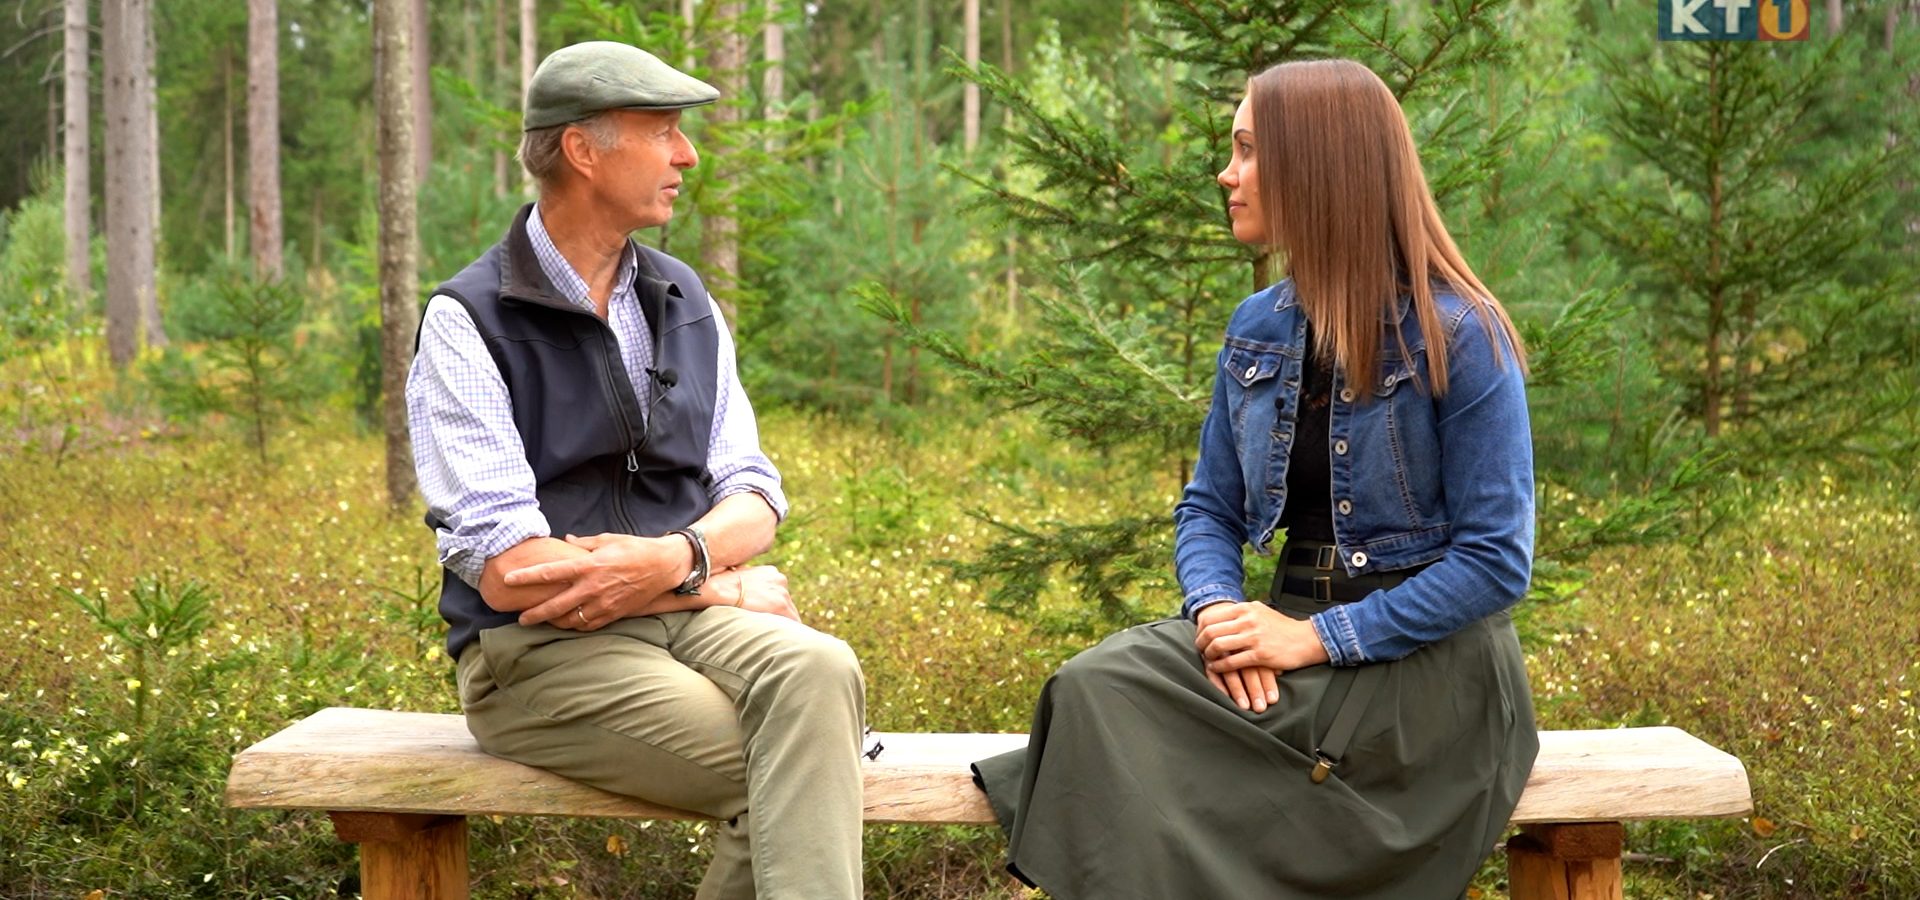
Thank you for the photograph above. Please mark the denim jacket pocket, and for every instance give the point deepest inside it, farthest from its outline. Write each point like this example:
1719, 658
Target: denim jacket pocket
1247, 366
1250, 373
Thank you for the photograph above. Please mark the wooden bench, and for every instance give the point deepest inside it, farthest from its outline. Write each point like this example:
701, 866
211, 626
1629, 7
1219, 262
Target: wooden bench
401, 785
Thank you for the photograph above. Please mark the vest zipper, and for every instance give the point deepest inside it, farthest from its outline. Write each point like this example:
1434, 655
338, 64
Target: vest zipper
610, 347
623, 480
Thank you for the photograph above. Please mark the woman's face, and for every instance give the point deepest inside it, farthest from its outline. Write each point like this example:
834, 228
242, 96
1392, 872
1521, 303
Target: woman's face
1242, 182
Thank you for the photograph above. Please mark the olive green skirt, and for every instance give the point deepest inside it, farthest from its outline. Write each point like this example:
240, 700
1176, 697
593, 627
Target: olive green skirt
1143, 780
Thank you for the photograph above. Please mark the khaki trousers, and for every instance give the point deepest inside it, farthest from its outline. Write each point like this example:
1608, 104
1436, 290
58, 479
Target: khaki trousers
747, 717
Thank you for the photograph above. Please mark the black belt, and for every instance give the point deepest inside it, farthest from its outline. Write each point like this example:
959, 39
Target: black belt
1312, 569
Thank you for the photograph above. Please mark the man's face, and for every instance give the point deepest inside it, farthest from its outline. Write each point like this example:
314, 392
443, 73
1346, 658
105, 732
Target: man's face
639, 178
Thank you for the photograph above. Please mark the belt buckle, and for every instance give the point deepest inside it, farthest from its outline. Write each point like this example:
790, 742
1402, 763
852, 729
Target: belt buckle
1324, 557
1323, 589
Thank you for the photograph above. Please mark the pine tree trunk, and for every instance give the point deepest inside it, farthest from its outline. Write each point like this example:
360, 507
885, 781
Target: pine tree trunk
1013, 233
265, 233
79, 165
502, 176
1711, 388
719, 230
129, 221
155, 332
317, 229
687, 17
529, 58
469, 45
1745, 359
773, 81
1836, 17
422, 93
397, 243
970, 92
226, 151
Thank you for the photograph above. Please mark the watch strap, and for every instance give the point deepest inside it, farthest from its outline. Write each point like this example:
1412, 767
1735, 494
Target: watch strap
702, 563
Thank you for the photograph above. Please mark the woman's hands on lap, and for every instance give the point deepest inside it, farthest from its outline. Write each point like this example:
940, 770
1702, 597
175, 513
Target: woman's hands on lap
1247, 645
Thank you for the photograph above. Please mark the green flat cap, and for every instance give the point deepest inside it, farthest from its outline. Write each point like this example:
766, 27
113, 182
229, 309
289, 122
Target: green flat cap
575, 82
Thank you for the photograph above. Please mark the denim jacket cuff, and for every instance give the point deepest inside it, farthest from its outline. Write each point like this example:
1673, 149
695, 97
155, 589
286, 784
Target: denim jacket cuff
1207, 595
1193, 611
1335, 630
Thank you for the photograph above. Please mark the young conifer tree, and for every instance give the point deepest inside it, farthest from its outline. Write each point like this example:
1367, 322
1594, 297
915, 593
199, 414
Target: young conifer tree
1760, 211
1145, 267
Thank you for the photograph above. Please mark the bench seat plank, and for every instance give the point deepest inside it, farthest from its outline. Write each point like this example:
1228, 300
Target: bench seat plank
345, 759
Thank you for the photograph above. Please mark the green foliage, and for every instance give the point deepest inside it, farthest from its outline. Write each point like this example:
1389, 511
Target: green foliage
36, 314
1780, 638
254, 369
328, 604
1067, 380
1573, 162
1107, 561
1116, 178
331, 607
34, 305
1768, 275
875, 213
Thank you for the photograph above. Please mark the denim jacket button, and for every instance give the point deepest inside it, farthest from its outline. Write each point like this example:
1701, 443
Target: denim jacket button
1252, 370
1340, 447
1359, 559
1346, 395
1346, 507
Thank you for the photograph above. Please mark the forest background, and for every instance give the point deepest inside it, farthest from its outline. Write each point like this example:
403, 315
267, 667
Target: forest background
978, 269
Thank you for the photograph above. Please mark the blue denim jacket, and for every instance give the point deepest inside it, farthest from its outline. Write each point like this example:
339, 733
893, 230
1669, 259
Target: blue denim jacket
1416, 479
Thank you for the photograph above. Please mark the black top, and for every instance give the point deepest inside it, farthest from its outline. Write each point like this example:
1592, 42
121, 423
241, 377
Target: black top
1308, 514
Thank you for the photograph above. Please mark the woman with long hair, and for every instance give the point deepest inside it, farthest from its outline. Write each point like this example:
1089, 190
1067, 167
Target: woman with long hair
1365, 729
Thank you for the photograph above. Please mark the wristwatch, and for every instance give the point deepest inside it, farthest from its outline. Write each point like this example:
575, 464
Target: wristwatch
702, 565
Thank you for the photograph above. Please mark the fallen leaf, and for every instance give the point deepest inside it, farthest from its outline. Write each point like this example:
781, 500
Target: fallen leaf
616, 845
1857, 832
95, 894
1764, 827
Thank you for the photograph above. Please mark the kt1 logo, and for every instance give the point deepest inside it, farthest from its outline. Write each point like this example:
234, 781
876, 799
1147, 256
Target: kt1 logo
1734, 20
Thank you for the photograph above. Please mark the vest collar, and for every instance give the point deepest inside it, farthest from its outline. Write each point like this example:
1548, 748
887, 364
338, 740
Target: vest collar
522, 278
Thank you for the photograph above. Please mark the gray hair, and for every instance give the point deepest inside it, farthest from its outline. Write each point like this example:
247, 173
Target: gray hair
540, 150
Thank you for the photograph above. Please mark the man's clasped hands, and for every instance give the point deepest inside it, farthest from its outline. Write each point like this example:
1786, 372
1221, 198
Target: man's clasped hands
584, 583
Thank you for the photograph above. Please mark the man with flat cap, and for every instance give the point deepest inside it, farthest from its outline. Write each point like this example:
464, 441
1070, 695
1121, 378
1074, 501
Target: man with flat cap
594, 477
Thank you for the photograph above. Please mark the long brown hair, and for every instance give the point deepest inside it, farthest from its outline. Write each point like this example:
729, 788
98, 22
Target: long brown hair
1346, 200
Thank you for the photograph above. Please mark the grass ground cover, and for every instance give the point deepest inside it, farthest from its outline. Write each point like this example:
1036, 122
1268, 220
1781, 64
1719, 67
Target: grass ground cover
1785, 637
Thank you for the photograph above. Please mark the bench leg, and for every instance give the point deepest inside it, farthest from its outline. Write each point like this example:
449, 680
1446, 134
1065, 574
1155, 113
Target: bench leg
1566, 862
407, 857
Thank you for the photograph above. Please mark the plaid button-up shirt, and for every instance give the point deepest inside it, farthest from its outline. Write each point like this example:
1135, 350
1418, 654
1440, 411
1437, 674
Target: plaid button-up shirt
472, 466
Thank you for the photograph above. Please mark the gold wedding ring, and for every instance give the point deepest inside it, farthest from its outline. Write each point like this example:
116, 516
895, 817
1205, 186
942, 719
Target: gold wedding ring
583, 616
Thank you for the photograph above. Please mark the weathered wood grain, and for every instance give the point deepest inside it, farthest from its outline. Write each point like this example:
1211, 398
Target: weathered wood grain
1539, 866
380, 761
414, 863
